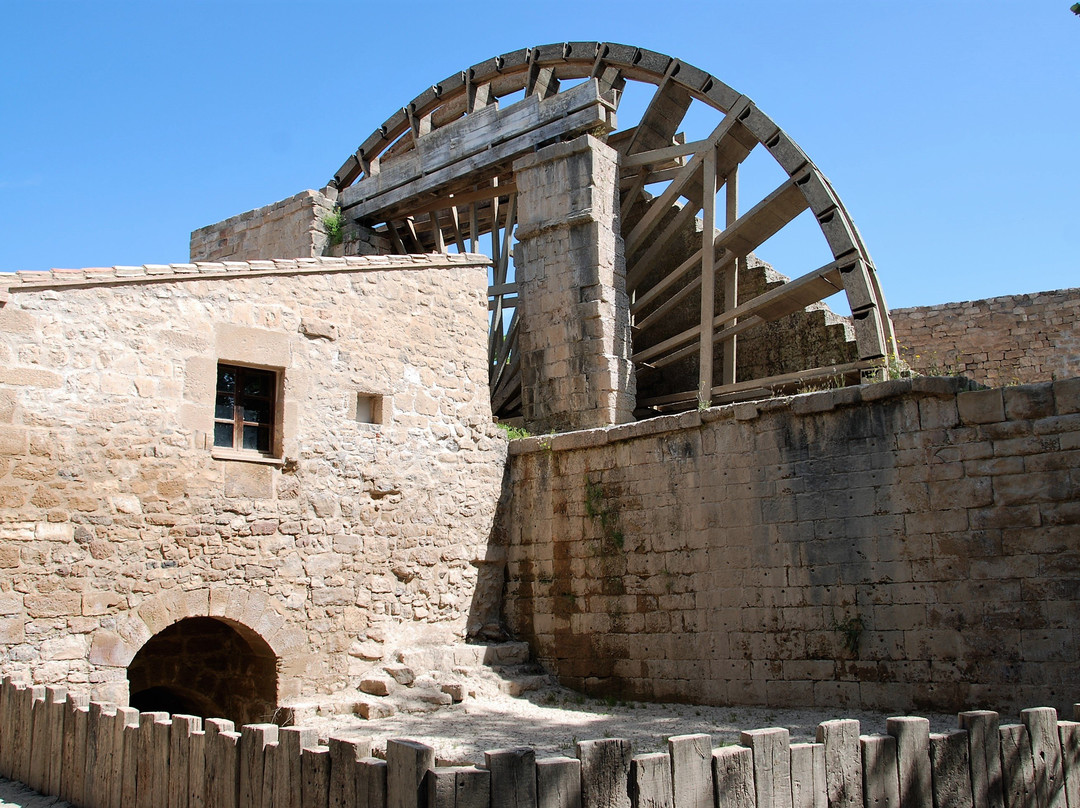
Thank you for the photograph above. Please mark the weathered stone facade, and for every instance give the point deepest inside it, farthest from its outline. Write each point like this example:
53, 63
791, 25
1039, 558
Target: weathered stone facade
1015, 339
894, 546
291, 228
575, 315
120, 517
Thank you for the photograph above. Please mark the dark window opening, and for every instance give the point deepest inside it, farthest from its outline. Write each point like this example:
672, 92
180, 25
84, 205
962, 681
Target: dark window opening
244, 409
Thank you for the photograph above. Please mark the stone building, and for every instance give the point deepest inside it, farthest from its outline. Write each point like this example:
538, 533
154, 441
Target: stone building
302, 451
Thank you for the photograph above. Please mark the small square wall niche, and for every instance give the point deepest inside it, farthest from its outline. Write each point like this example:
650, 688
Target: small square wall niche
369, 408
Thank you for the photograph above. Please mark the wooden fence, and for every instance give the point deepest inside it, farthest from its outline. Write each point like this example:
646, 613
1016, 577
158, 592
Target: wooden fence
98, 755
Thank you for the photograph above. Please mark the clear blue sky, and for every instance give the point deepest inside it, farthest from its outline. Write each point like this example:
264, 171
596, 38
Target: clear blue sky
951, 128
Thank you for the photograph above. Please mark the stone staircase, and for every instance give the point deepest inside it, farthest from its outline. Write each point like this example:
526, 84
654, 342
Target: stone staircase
427, 678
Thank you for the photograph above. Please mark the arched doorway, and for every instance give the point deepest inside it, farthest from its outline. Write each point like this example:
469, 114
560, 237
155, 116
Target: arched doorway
208, 667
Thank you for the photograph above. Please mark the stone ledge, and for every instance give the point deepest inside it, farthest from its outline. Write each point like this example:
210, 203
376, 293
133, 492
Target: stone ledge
974, 406
28, 281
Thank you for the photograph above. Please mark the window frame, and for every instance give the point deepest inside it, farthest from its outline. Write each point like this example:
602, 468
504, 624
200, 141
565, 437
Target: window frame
272, 401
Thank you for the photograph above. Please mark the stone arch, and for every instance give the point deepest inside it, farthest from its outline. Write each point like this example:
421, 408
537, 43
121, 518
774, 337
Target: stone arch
258, 620
206, 666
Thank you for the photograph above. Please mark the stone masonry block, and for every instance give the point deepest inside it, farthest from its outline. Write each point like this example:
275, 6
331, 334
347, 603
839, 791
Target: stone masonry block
981, 406
1029, 401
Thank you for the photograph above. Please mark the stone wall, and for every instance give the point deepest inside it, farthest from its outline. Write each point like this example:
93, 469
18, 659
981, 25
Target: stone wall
120, 517
1016, 339
894, 546
291, 228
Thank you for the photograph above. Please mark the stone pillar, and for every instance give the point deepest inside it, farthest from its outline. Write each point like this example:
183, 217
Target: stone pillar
574, 332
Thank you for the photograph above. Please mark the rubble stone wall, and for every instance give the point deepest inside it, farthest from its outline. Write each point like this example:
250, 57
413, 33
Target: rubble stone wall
119, 517
291, 228
905, 545
1016, 339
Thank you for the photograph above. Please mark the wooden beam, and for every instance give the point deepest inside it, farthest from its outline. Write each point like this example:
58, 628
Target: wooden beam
662, 155
474, 144
731, 277
708, 277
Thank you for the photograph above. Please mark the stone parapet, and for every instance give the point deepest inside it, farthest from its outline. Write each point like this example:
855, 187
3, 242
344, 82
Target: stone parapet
575, 325
1014, 339
898, 546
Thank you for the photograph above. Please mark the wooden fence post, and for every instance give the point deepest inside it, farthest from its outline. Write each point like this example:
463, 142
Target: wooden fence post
985, 754
288, 781
605, 773
650, 781
371, 783
55, 703
558, 783
733, 776
344, 755
99, 753
691, 770
881, 784
513, 776
222, 764
843, 768
180, 762
951, 769
1041, 723
460, 787
407, 764
253, 741
772, 765
808, 776
315, 768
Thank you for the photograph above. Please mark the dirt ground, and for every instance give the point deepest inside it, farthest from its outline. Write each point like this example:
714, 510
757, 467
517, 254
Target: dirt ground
553, 720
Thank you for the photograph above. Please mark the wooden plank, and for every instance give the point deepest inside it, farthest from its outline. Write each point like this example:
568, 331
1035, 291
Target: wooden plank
150, 791
843, 769
731, 277
662, 118
271, 753
691, 770
344, 755
708, 278
1041, 723
650, 781
99, 753
513, 776
950, 769
664, 202
808, 776
558, 783
913, 760
55, 700
484, 130
881, 786
121, 775
180, 762
253, 741
222, 764
985, 755
468, 171
733, 775
289, 776
1069, 733
1017, 767
197, 769
460, 787
371, 783
73, 781
408, 763
315, 768
783, 300
37, 769
663, 155
605, 773
772, 765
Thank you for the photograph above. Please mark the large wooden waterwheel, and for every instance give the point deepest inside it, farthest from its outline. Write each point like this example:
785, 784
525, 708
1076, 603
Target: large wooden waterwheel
709, 323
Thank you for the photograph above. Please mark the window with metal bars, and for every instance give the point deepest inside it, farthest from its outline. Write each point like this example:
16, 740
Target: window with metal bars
244, 409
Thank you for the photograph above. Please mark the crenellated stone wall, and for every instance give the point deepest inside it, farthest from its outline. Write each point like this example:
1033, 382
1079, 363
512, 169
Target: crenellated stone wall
120, 517
1015, 339
905, 545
